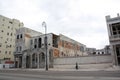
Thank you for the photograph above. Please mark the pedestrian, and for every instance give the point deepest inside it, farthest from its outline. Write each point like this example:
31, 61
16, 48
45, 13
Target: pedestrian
76, 66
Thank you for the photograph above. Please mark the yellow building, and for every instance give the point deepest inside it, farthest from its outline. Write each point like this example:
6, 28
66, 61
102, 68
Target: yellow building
7, 37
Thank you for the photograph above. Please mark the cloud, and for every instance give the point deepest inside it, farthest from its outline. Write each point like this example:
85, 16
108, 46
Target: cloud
82, 20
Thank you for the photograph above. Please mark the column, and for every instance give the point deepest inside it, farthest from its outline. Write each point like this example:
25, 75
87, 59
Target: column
38, 63
35, 60
22, 61
15, 61
115, 55
18, 62
31, 61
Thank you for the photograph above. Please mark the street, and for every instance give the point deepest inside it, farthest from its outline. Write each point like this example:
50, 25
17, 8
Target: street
59, 75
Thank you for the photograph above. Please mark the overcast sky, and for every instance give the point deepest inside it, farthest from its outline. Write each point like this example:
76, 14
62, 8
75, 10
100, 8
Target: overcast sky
81, 20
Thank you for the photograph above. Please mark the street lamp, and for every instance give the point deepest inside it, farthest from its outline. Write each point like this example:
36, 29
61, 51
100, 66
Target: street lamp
45, 41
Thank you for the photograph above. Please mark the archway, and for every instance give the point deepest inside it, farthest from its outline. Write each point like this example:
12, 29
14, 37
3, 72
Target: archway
34, 60
27, 61
42, 60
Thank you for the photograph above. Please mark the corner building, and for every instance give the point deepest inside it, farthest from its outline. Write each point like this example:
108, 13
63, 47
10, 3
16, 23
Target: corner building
113, 26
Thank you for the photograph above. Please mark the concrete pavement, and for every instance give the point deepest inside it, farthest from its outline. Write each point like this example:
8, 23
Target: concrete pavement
114, 68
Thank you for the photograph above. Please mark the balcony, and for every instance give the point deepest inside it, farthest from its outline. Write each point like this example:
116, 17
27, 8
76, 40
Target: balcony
115, 37
17, 53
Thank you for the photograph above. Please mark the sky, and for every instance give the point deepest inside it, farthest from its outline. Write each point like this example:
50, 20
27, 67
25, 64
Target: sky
81, 20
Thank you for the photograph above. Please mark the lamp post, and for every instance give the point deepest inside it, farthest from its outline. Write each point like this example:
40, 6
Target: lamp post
45, 41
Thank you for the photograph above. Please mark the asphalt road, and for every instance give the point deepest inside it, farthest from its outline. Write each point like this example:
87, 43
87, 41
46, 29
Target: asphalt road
59, 75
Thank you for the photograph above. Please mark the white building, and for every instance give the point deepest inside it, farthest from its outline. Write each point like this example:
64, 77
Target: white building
113, 25
7, 38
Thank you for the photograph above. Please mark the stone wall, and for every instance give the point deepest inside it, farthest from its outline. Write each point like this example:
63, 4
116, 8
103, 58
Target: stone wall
84, 62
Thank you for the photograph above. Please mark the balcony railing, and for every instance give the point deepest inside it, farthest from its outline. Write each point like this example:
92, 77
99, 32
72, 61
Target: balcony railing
114, 37
15, 53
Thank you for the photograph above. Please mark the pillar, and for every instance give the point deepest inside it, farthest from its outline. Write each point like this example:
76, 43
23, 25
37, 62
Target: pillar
18, 62
15, 61
38, 61
23, 61
31, 61
115, 62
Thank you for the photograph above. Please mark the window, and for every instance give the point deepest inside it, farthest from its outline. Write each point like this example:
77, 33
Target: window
0, 45
8, 27
102, 52
7, 33
2, 31
35, 41
39, 42
17, 36
21, 36
5, 52
10, 22
35, 46
11, 34
10, 46
62, 43
0, 51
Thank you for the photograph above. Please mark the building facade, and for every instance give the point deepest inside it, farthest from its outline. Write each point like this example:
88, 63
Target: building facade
69, 47
91, 51
34, 56
7, 38
113, 26
23, 37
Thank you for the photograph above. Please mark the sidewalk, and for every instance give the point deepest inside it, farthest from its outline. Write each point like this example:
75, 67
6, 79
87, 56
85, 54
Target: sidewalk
55, 69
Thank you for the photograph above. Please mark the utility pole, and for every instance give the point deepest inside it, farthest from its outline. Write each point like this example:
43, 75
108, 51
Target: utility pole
45, 41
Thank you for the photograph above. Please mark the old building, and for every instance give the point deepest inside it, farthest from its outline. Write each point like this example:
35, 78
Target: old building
37, 53
113, 26
34, 54
23, 37
7, 38
69, 47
